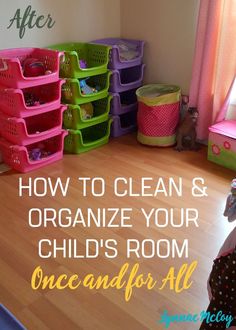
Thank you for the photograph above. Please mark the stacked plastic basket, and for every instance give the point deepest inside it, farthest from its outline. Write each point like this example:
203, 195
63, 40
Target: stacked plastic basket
86, 74
127, 74
30, 108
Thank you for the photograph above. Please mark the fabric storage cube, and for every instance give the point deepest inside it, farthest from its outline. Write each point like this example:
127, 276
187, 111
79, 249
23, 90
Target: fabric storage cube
124, 53
222, 144
17, 102
124, 102
79, 141
72, 93
83, 59
126, 79
31, 129
124, 124
75, 115
33, 156
12, 73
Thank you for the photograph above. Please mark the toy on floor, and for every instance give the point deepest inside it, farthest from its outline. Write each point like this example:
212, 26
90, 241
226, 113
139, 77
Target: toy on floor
230, 207
86, 89
87, 110
187, 130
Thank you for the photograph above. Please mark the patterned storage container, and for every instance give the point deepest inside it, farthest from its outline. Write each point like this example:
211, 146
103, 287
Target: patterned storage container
158, 114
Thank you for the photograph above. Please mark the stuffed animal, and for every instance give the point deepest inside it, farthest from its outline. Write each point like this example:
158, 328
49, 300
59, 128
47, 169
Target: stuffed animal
187, 130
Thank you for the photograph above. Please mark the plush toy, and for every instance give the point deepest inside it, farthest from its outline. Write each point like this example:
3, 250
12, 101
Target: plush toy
230, 207
187, 130
87, 110
83, 64
33, 67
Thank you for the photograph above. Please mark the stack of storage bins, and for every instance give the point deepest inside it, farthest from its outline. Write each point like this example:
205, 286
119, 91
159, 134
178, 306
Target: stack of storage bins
127, 75
30, 108
85, 70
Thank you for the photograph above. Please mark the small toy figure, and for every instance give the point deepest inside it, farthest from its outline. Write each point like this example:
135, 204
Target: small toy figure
86, 89
83, 64
87, 111
230, 207
187, 129
35, 154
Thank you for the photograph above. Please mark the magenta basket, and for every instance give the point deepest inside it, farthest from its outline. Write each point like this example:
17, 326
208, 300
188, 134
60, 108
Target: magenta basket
32, 129
124, 124
124, 102
12, 101
11, 72
126, 79
116, 61
17, 157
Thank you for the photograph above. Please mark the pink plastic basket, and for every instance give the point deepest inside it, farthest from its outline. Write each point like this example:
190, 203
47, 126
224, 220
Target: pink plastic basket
12, 101
23, 131
11, 72
18, 158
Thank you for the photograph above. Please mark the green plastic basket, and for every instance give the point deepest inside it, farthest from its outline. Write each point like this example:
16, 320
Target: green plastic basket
73, 117
96, 57
71, 92
79, 141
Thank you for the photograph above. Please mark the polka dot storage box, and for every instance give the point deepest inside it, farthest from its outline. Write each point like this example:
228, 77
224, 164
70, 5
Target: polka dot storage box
158, 114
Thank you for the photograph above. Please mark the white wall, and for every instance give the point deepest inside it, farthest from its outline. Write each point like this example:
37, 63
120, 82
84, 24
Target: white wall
76, 20
169, 28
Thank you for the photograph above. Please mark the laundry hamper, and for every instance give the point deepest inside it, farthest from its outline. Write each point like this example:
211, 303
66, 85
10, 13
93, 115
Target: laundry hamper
158, 114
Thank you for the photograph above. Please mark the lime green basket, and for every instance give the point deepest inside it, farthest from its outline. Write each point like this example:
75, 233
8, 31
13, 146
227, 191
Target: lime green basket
96, 58
71, 92
79, 141
73, 116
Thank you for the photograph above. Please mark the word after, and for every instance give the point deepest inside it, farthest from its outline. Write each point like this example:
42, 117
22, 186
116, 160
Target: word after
30, 19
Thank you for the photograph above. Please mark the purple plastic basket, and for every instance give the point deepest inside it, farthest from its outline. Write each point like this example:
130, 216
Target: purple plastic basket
124, 102
124, 124
116, 62
126, 79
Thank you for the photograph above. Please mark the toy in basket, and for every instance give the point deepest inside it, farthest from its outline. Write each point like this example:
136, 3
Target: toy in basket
28, 67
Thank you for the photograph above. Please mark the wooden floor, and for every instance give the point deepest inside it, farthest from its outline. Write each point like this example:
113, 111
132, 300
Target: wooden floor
107, 309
